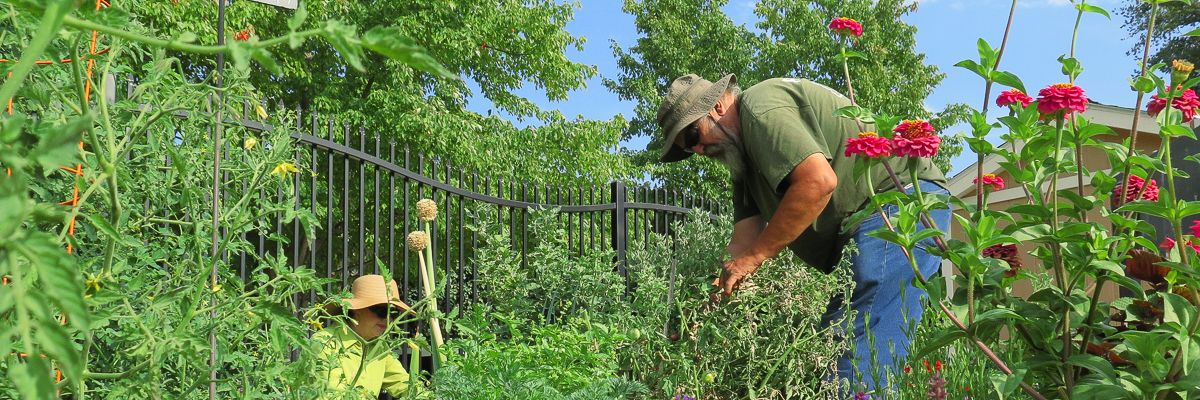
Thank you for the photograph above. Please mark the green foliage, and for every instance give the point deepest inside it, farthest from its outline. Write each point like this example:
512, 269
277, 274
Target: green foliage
493, 45
763, 342
130, 314
506, 357
1066, 339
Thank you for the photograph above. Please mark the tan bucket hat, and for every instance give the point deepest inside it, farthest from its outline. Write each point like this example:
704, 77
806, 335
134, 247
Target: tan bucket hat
370, 290
688, 99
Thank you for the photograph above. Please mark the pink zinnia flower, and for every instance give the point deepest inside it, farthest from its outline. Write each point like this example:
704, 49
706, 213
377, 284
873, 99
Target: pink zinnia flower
845, 27
1169, 243
1196, 228
1187, 103
1134, 184
1061, 97
868, 144
992, 181
1012, 96
915, 138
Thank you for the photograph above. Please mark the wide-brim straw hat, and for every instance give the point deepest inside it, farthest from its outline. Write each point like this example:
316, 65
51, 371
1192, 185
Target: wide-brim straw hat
371, 290
688, 99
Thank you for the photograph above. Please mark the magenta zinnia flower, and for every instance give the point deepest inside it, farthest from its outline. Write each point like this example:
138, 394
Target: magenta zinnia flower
1006, 252
868, 144
1196, 228
915, 138
1134, 184
1013, 96
862, 396
1061, 97
1187, 103
992, 181
845, 27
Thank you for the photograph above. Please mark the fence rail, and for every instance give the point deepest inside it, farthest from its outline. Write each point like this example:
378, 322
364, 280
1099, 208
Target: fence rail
363, 191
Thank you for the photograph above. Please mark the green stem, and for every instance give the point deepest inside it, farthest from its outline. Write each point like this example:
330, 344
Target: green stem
175, 45
987, 97
1133, 131
1074, 131
116, 375
846, 71
1056, 249
18, 285
1184, 258
169, 221
47, 31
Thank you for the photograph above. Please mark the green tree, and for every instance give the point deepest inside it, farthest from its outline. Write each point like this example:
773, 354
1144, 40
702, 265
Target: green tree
493, 45
792, 39
1167, 42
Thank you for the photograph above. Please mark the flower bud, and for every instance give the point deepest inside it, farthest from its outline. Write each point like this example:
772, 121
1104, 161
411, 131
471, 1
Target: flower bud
426, 210
417, 240
1180, 70
249, 143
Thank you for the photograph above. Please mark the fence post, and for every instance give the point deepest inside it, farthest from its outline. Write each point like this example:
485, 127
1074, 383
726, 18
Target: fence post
618, 231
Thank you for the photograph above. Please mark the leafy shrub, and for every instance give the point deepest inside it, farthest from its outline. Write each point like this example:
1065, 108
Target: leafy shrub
762, 343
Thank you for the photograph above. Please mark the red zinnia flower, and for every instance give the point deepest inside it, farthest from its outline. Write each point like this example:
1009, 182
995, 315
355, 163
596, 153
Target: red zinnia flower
992, 181
915, 138
1061, 97
868, 144
1134, 184
1187, 103
1012, 96
907, 369
938, 366
1006, 252
845, 27
926, 362
242, 35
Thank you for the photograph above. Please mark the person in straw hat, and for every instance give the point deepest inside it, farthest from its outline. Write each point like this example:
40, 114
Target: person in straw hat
373, 308
794, 187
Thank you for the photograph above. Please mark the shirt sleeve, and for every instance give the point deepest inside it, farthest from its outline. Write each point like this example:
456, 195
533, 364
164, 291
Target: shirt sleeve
783, 139
743, 206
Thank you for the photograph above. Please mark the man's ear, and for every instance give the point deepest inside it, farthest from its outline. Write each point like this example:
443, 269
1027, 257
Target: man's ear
720, 108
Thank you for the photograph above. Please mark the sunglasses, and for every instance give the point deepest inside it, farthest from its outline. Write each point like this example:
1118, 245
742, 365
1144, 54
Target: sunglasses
384, 312
691, 137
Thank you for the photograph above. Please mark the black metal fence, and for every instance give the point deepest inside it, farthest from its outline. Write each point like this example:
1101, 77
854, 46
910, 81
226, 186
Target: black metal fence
363, 190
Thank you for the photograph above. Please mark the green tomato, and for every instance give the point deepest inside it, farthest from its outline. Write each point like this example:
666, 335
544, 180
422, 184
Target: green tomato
710, 377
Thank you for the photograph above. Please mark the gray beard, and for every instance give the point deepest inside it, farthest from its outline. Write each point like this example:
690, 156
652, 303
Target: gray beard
730, 154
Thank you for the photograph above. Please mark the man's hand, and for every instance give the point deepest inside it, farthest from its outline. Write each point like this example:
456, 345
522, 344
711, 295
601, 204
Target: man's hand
733, 272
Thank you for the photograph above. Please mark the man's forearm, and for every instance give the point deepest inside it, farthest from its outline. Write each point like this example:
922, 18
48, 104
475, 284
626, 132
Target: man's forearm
797, 211
745, 232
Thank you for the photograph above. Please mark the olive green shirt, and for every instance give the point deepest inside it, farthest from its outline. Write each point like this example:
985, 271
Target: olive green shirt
785, 120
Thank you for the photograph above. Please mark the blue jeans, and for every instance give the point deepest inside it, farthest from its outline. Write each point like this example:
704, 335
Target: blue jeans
888, 307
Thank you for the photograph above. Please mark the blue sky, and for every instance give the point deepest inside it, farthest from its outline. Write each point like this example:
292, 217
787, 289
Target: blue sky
947, 31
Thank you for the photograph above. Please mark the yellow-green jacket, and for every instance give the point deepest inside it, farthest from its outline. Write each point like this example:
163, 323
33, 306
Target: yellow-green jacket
343, 349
